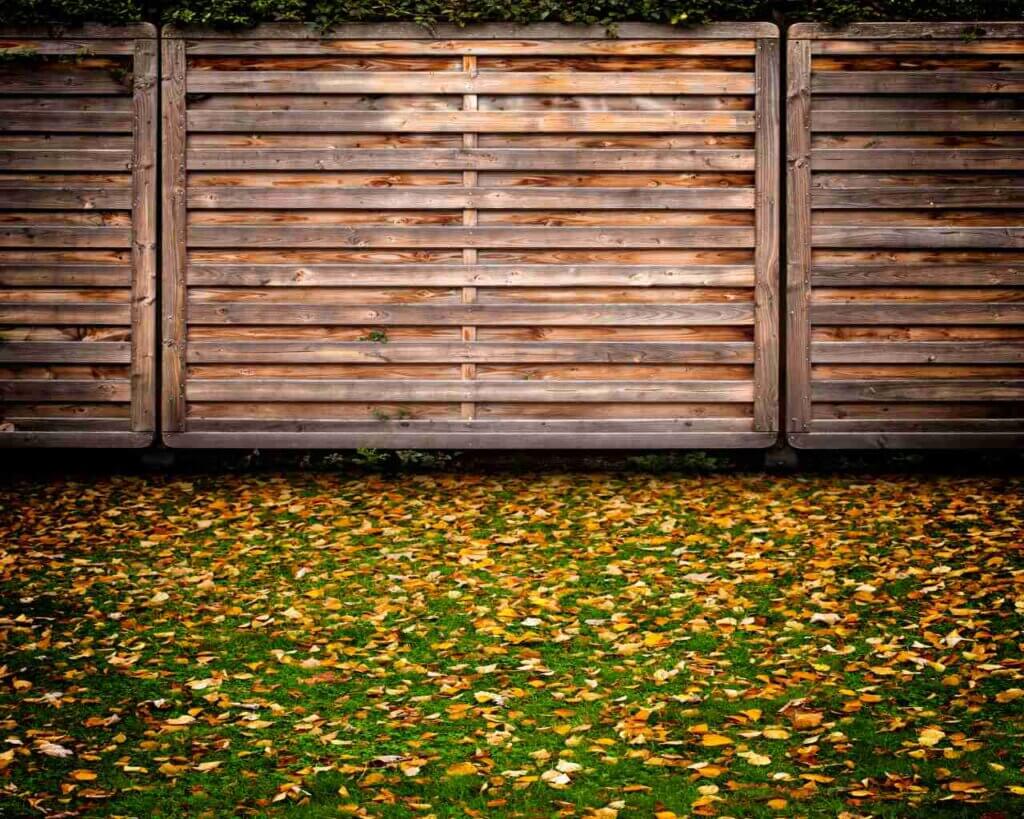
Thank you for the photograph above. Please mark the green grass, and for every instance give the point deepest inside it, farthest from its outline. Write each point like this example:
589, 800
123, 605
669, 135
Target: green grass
315, 644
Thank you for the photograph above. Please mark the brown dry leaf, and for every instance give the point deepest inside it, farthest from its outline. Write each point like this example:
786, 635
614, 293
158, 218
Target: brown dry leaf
803, 720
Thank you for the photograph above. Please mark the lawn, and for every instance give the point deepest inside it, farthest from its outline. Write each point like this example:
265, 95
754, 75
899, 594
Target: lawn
588, 643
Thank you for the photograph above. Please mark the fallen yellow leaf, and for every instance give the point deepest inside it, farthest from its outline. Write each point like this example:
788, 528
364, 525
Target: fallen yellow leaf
461, 769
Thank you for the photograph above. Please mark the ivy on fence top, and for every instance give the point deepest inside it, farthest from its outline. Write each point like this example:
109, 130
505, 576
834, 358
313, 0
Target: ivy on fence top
239, 13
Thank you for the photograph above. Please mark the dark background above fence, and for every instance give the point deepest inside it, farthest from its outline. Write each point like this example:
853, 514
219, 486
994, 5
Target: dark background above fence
235, 13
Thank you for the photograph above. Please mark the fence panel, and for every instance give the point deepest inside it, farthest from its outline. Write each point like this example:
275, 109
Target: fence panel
78, 236
906, 235
484, 237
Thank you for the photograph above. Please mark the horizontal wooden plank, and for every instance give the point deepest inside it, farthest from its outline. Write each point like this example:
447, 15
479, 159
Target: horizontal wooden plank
917, 82
481, 31
254, 389
67, 198
849, 236
13, 120
480, 198
66, 46
906, 440
61, 79
911, 159
434, 159
499, 371
104, 103
459, 82
260, 352
419, 410
923, 352
529, 45
623, 427
881, 411
949, 389
477, 275
925, 31
493, 122
918, 121
913, 47
905, 103
915, 179
962, 196
81, 159
62, 314
959, 425
472, 314
64, 390
444, 237
937, 273
72, 440
900, 313
64, 275
439, 424
54, 352
64, 236
72, 424
474, 440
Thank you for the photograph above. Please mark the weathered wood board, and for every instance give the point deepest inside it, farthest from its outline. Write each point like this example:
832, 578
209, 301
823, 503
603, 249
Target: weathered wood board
78, 215
905, 316
492, 237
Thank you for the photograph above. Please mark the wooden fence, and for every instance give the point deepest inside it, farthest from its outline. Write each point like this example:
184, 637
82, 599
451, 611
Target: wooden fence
78, 237
906, 236
513, 237
496, 237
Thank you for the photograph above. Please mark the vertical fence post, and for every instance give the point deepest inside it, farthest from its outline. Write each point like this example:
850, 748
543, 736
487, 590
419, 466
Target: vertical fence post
174, 224
798, 209
766, 237
144, 221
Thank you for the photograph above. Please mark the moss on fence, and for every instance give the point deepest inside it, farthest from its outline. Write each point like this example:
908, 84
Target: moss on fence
327, 12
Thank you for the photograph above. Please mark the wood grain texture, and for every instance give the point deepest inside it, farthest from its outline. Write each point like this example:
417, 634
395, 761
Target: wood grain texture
614, 352
77, 239
492, 315
907, 440
798, 210
442, 82
766, 241
451, 34
666, 44
907, 236
537, 439
173, 282
466, 275
260, 236
505, 232
440, 198
144, 238
482, 122
460, 159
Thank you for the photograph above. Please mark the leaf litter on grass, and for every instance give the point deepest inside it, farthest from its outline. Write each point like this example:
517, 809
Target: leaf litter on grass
591, 645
